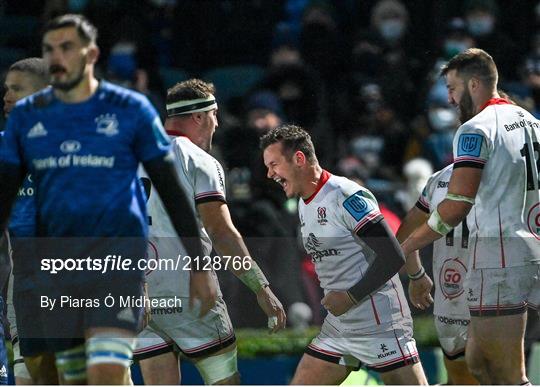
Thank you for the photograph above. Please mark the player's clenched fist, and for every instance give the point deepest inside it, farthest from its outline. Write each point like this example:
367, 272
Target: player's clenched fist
337, 302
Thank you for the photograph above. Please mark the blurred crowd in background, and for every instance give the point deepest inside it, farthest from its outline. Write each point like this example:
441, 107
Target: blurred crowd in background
360, 75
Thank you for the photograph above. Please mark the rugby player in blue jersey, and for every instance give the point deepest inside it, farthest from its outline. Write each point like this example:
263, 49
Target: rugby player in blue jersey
23, 78
82, 141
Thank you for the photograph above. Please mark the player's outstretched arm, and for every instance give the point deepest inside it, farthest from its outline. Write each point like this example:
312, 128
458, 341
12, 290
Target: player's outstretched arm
165, 179
389, 259
11, 178
420, 284
451, 211
229, 244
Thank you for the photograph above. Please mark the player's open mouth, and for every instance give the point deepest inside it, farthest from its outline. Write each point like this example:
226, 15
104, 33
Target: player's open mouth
281, 181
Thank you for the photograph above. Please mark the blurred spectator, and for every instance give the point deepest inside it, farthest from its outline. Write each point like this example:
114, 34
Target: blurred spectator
388, 48
295, 84
132, 61
240, 149
263, 111
378, 136
303, 95
161, 24
456, 39
531, 75
320, 40
210, 34
417, 173
481, 17
258, 205
443, 121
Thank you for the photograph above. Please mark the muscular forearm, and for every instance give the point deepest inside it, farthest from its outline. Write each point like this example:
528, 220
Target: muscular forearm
413, 220
453, 212
229, 243
389, 259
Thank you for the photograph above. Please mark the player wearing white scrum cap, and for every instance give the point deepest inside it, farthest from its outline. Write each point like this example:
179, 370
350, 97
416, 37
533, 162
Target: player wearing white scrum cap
208, 341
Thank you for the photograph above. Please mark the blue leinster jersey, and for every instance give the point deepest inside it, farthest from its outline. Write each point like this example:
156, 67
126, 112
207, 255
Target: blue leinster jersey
83, 159
22, 222
23, 215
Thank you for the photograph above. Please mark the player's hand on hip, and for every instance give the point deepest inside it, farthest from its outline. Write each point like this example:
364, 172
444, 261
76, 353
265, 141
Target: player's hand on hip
202, 289
420, 292
272, 307
337, 302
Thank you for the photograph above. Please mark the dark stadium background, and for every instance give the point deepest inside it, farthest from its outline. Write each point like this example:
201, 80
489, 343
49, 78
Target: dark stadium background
372, 104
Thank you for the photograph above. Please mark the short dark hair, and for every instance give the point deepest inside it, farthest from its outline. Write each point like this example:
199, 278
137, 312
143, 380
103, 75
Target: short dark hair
34, 66
474, 62
293, 138
190, 89
86, 30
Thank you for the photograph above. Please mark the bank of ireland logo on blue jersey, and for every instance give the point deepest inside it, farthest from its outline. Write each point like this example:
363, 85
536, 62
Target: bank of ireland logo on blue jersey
469, 145
107, 124
159, 132
357, 206
70, 146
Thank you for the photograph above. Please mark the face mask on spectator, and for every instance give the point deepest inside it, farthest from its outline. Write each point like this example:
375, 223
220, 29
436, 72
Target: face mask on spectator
442, 118
392, 29
480, 25
454, 47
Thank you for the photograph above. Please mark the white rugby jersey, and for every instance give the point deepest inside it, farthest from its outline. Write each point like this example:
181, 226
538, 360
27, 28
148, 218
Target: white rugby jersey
503, 139
203, 180
450, 253
329, 222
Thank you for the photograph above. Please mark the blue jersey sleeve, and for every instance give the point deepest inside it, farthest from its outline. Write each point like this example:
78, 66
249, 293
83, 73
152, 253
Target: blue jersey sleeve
10, 152
151, 141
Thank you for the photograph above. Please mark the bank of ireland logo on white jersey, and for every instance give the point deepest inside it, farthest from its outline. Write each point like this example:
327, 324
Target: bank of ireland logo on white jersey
38, 130
107, 124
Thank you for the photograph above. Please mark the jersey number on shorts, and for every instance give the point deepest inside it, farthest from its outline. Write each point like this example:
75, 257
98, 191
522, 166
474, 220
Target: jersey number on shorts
464, 236
528, 159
